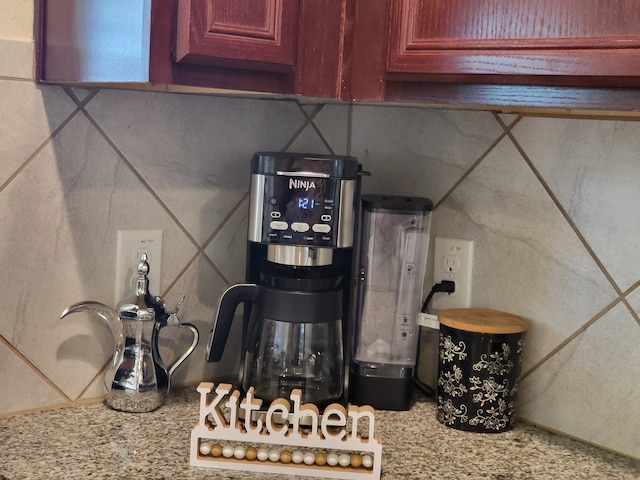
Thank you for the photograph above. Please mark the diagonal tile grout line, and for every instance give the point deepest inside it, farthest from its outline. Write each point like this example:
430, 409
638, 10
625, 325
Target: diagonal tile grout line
625, 294
225, 221
308, 121
477, 161
300, 129
218, 230
201, 250
507, 128
310, 118
163, 205
620, 295
93, 380
79, 105
140, 177
39, 149
572, 337
564, 213
35, 369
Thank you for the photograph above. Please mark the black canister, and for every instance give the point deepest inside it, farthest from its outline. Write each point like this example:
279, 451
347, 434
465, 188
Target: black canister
479, 368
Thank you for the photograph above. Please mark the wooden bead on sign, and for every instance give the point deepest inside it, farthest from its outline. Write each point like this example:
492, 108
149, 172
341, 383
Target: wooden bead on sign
263, 454
227, 451
251, 453
239, 452
297, 456
285, 456
274, 455
216, 450
332, 459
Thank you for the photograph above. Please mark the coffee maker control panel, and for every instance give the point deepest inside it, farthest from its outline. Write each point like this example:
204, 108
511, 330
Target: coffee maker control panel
300, 211
303, 206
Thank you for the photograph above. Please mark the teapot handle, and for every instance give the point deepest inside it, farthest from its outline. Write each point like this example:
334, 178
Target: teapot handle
194, 343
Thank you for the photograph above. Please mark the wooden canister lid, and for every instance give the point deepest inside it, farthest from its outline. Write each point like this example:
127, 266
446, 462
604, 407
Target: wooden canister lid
482, 321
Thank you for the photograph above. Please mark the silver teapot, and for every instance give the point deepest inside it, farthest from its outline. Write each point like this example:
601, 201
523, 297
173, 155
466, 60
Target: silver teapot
137, 379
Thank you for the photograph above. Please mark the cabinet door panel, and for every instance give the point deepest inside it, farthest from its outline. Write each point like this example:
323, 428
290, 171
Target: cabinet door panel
515, 37
247, 34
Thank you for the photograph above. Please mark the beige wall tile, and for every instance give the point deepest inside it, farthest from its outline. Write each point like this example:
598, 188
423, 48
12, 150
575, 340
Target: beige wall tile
588, 388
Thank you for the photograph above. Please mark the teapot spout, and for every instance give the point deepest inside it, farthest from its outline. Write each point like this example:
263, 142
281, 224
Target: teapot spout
108, 314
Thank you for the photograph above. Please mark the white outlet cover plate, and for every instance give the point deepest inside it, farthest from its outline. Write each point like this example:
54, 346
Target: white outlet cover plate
453, 260
130, 245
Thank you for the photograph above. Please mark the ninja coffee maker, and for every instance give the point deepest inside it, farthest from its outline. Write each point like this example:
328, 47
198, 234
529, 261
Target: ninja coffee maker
298, 290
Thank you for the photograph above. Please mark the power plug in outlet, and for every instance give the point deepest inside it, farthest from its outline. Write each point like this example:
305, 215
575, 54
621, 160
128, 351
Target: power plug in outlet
131, 245
453, 260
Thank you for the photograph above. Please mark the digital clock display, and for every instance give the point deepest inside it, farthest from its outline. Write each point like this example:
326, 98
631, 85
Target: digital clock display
305, 203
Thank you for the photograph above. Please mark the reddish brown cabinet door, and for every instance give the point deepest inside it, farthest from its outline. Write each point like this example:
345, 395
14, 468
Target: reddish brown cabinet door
248, 34
295, 45
516, 37
498, 52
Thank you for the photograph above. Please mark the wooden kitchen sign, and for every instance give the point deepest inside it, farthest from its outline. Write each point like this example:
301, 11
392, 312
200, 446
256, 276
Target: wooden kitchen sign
290, 437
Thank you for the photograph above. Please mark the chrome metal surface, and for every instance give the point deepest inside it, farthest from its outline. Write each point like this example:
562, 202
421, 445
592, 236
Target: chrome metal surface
303, 174
256, 208
346, 213
299, 256
137, 379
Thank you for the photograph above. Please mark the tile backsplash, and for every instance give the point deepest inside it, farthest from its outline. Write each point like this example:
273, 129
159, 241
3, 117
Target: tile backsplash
551, 204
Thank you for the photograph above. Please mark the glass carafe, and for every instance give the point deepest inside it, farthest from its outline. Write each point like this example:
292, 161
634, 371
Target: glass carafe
285, 355
293, 340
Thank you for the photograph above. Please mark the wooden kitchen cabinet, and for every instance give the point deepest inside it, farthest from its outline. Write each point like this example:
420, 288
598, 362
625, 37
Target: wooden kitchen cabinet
559, 53
297, 41
273, 46
569, 54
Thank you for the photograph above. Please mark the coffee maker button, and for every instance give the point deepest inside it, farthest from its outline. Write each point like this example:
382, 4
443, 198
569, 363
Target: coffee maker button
325, 218
276, 225
275, 214
321, 228
300, 227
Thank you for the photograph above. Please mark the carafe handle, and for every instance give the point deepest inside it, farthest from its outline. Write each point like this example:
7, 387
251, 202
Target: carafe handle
231, 298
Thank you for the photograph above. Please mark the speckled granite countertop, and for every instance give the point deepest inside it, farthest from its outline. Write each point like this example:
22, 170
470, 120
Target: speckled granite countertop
93, 441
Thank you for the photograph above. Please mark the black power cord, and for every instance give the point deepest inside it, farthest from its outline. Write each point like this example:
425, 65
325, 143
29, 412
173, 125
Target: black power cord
447, 286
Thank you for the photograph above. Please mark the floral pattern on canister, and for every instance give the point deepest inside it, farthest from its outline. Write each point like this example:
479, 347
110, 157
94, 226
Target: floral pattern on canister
450, 382
498, 363
449, 351
478, 379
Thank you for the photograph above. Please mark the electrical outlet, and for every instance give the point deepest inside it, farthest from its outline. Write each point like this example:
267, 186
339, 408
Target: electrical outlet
453, 260
131, 245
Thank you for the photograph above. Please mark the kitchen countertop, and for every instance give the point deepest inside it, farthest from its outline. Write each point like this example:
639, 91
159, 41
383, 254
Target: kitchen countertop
93, 441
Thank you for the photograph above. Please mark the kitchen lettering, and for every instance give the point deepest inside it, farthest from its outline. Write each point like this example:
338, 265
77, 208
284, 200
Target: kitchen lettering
333, 423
